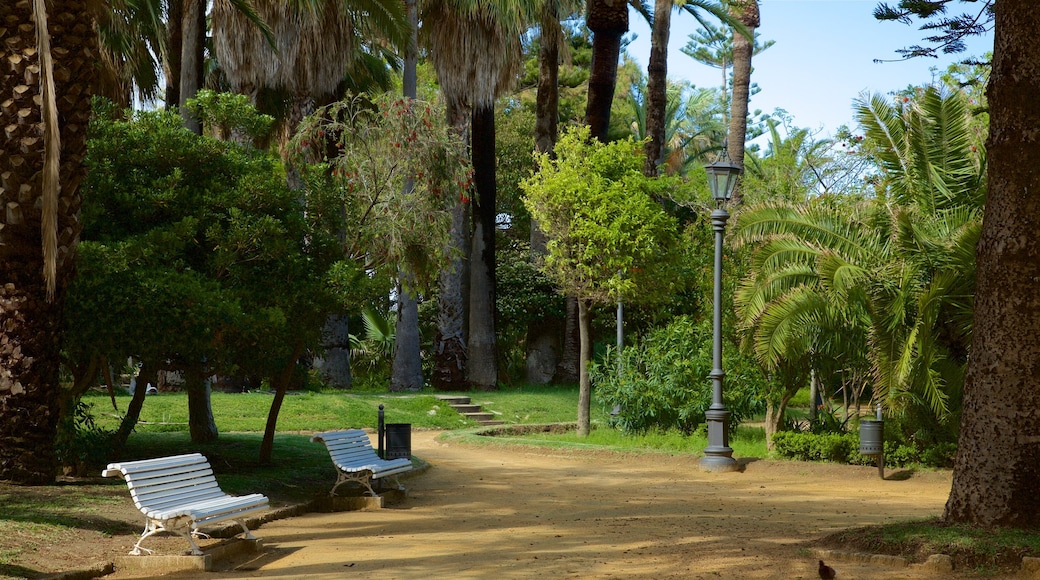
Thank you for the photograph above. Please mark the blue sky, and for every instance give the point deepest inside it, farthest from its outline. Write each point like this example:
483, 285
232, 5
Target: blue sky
823, 57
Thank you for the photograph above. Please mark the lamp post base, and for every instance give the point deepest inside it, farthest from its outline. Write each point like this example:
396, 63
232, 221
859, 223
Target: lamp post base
719, 460
718, 456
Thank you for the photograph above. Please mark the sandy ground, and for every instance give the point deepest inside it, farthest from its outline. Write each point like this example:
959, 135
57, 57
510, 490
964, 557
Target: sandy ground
507, 512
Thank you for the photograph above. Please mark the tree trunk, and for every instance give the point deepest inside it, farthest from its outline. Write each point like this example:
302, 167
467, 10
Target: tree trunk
335, 362
775, 413
657, 87
585, 385
747, 12
567, 370
996, 476
30, 321
201, 426
280, 385
449, 352
193, 40
483, 349
608, 21
147, 374
172, 63
547, 107
406, 374
543, 336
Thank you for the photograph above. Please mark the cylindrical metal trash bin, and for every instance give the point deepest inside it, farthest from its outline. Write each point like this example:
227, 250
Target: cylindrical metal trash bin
871, 437
398, 441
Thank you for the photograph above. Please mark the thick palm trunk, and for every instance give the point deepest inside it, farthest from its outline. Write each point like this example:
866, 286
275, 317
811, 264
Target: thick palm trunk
608, 21
172, 63
543, 336
193, 38
657, 87
996, 476
30, 323
570, 354
743, 47
406, 374
483, 349
449, 352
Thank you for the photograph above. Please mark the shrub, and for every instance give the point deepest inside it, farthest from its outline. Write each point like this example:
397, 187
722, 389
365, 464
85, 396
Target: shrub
662, 382
844, 448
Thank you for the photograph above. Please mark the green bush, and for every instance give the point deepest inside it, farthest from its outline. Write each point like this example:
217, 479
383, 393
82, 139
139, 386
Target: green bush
662, 382
844, 448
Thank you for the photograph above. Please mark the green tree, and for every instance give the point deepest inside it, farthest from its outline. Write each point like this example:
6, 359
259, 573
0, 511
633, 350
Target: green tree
607, 235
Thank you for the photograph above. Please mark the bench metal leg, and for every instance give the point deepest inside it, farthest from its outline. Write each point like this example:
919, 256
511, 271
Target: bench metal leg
364, 478
153, 527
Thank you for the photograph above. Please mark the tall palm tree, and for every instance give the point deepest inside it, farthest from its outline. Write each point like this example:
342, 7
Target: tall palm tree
475, 47
50, 52
312, 47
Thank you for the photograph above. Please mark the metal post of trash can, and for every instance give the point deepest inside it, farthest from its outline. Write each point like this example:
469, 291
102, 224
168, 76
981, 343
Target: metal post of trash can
380, 433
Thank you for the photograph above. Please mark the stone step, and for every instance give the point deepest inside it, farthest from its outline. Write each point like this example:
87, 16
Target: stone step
463, 409
479, 416
453, 399
489, 423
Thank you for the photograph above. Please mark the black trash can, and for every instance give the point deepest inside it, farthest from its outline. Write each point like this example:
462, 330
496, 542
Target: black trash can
871, 437
398, 441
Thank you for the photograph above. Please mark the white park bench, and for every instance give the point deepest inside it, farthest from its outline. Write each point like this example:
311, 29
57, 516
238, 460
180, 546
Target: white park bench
179, 494
356, 461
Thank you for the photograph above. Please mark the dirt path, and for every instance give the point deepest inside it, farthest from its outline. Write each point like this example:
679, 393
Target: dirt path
494, 512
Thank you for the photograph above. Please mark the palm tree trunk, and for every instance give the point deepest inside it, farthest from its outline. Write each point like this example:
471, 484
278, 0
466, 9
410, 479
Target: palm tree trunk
743, 47
30, 332
406, 374
608, 21
172, 64
193, 40
483, 349
657, 87
543, 336
449, 352
567, 372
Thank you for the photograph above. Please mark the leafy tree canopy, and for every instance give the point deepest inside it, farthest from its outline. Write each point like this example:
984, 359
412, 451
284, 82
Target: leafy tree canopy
608, 237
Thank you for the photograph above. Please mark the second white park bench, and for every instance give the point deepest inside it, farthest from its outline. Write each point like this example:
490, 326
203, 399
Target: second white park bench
356, 461
179, 494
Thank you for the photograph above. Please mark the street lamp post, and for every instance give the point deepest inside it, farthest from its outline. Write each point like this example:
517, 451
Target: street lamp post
718, 456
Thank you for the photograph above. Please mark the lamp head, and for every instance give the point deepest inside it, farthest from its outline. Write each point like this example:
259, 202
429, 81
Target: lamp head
722, 178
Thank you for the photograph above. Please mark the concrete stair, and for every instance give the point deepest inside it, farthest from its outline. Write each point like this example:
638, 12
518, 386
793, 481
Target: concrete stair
467, 409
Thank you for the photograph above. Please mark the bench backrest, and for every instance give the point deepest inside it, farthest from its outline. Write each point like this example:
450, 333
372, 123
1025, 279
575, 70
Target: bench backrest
349, 448
167, 482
